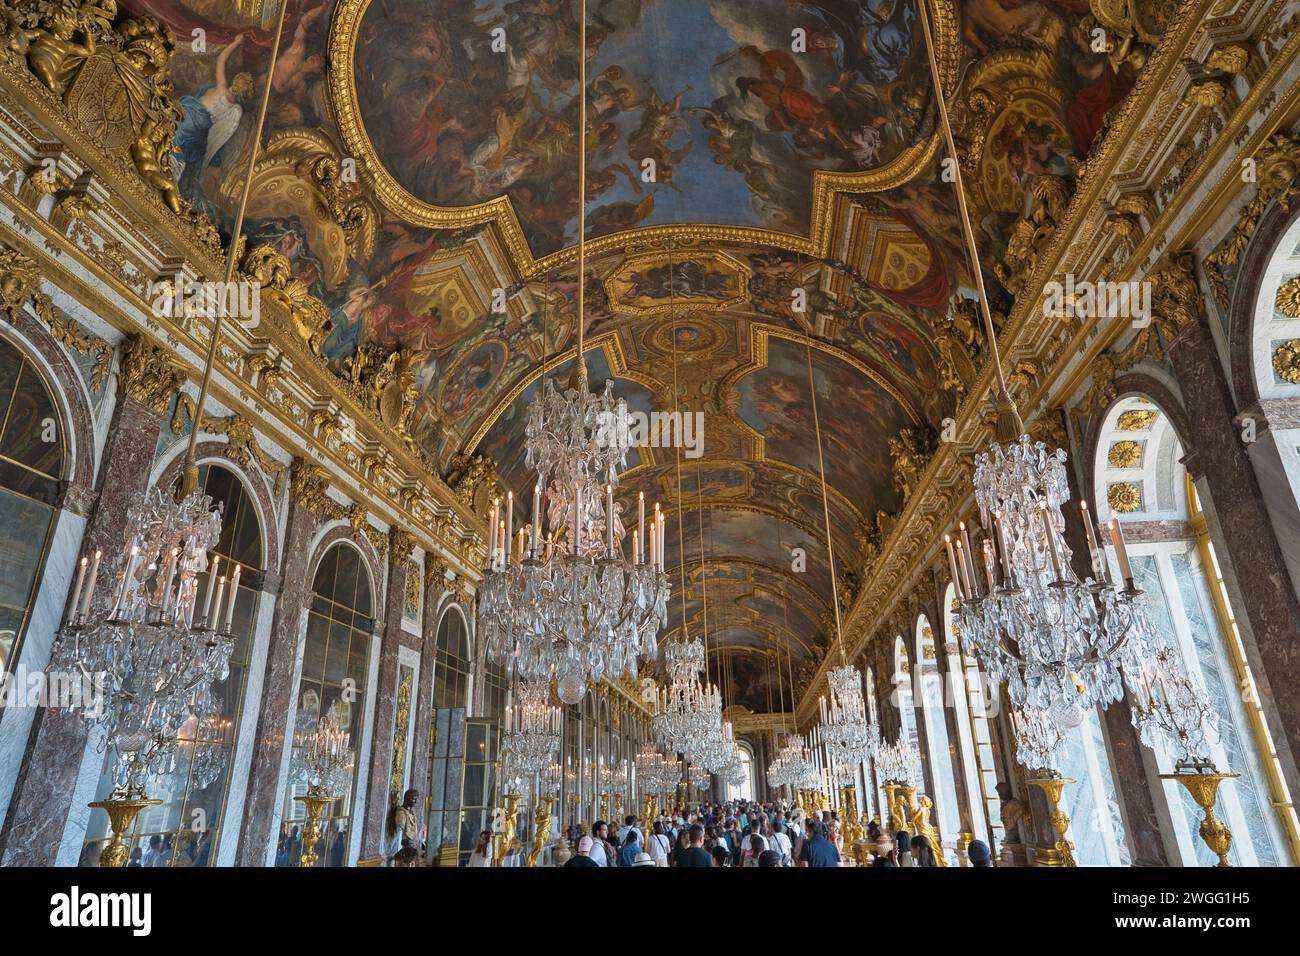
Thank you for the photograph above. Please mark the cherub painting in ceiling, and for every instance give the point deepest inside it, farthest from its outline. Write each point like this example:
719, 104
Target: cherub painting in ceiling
696, 112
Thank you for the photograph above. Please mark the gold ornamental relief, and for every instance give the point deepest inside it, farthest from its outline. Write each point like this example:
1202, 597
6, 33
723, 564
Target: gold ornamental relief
1288, 298
1286, 361
1136, 420
1125, 454
1124, 496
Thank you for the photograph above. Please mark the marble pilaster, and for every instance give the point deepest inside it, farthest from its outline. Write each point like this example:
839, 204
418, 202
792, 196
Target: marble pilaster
379, 800
1234, 505
47, 779
306, 485
435, 587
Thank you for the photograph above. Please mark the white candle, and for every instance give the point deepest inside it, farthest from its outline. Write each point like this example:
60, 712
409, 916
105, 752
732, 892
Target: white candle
90, 585
207, 601
1097, 568
76, 592
510, 522
537, 517
636, 548
952, 566
1116, 538
234, 593
126, 579
965, 540
492, 531
965, 574
221, 589
663, 530
640, 519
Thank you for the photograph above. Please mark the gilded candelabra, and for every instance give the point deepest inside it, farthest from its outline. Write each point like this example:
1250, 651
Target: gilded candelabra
122, 809
1062, 852
1202, 782
315, 800
542, 830
503, 841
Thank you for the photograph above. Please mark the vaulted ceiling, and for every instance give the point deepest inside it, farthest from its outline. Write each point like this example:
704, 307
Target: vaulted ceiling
742, 155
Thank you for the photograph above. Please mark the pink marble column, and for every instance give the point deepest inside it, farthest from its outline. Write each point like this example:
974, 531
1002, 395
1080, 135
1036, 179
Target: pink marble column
378, 798
147, 382
1245, 532
306, 487
435, 587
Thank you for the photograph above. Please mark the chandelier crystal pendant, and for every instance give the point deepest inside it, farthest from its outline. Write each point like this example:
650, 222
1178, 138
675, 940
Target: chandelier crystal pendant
1039, 738
531, 733
1172, 713
155, 656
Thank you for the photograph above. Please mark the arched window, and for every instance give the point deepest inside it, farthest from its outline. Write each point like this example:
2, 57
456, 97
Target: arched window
906, 705
496, 684
188, 823
32, 465
1140, 479
745, 789
930, 687
970, 696
335, 667
451, 664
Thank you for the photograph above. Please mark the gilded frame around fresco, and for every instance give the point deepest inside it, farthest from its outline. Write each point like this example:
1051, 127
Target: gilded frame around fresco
344, 29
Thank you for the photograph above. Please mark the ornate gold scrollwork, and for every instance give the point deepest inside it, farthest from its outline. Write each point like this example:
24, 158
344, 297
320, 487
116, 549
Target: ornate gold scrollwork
912, 451
473, 479
270, 268
387, 381
1124, 496
1125, 454
20, 284
148, 374
242, 445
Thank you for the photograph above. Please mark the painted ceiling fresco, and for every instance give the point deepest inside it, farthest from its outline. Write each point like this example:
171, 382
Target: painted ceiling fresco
457, 244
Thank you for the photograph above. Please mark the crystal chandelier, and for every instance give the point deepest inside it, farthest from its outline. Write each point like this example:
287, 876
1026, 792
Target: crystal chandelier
1171, 712
793, 763
716, 749
569, 605
531, 735
844, 727
1034, 625
896, 762
1031, 622
1039, 737
326, 755
156, 654
686, 711
699, 778
655, 772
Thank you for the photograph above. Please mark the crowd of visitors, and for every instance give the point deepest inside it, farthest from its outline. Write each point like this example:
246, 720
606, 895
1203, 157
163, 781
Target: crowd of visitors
742, 834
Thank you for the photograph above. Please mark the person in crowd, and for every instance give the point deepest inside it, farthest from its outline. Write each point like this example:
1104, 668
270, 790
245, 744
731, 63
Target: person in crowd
408, 855
583, 856
922, 852
720, 855
482, 853
154, 856
978, 853
642, 859
658, 845
602, 854
631, 848
755, 844
883, 860
817, 850
769, 858
901, 854
695, 855
779, 841
683, 844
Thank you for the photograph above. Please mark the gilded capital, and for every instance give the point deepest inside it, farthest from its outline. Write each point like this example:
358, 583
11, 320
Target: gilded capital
1176, 297
400, 542
19, 279
435, 573
148, 374
308, 483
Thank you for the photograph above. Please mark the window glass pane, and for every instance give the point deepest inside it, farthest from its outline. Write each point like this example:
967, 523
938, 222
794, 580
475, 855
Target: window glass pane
32, 420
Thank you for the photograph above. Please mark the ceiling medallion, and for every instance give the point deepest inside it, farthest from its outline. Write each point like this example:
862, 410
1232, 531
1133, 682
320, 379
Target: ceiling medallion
1124, 496
1286, 361
1125, 454
1288, 297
